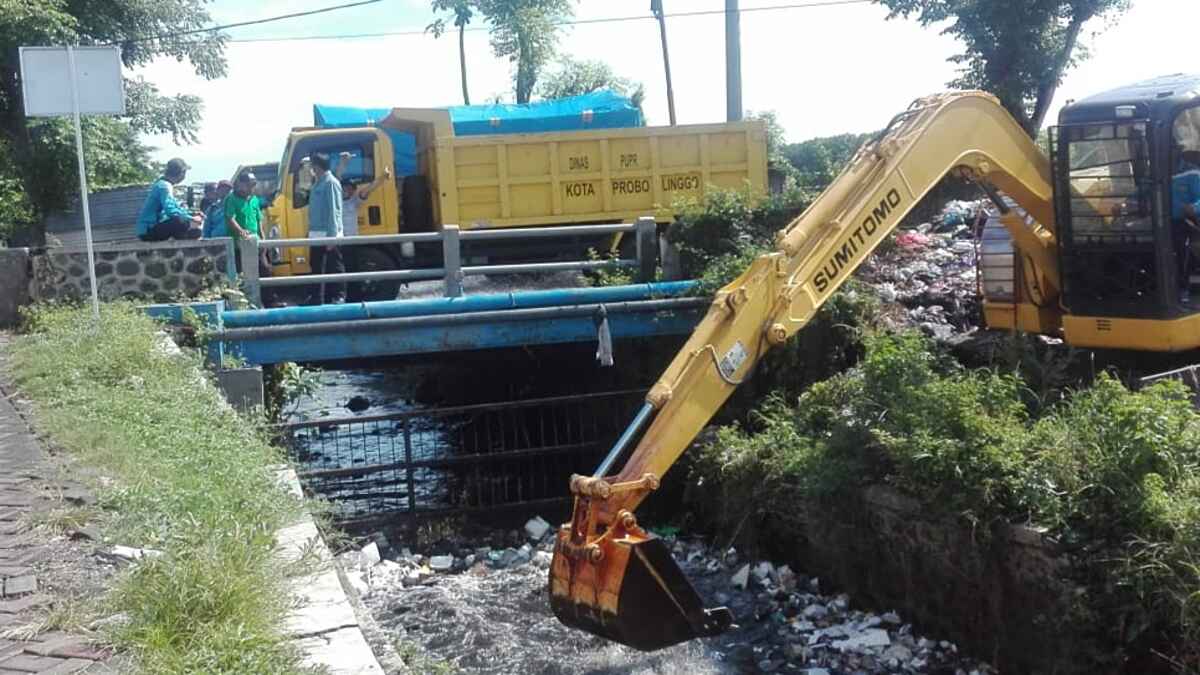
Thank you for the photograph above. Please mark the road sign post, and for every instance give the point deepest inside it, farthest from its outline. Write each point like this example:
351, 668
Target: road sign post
93, 86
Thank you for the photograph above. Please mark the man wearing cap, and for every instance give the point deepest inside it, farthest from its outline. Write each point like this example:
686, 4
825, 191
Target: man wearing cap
243, 215
162, 217
325, 220
210, 197
214, 215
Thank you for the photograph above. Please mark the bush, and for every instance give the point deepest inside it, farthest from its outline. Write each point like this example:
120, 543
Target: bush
1113, 474
721, 233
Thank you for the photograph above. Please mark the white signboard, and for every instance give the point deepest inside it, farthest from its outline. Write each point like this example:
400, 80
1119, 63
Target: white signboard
75, 81
46, 81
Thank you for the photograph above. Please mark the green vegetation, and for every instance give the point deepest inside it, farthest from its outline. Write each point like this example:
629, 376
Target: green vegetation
722, 232
818, 161
189, 478
525, 33
1112, 475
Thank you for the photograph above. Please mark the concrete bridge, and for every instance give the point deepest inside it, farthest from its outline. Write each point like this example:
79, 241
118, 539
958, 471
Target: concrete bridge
439, 325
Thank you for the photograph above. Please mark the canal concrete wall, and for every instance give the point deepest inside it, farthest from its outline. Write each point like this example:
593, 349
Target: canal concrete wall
1001, 593
324, 625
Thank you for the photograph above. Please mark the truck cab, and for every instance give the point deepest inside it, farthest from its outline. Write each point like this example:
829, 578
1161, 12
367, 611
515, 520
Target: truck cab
1120, 161
370, 154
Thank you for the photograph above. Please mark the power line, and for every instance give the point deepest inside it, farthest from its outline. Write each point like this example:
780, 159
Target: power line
253, 22
574, 22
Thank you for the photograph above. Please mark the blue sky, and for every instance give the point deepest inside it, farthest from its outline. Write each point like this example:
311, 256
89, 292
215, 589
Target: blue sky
823, 70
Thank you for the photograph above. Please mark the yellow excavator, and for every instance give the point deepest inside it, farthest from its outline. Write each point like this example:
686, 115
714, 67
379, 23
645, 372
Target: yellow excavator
1099, 256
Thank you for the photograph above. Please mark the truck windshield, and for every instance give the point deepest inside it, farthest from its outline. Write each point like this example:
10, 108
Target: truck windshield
1107, 176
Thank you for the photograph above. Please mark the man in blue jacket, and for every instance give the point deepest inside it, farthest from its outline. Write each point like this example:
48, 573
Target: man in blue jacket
162, 217
325, 220
214, 216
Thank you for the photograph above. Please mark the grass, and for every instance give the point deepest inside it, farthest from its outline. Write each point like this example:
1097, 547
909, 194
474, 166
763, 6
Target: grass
188, 476
63, 519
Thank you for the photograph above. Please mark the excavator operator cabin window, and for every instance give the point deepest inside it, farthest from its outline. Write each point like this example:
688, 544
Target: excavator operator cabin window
1108, 178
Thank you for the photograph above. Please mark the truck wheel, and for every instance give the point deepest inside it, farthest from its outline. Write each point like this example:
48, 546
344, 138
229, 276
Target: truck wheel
416, 207
372, 259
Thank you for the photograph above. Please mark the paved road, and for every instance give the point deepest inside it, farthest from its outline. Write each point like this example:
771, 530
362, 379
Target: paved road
22, 490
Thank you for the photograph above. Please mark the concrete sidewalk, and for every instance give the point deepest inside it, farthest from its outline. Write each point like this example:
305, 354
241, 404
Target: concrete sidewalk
23, 487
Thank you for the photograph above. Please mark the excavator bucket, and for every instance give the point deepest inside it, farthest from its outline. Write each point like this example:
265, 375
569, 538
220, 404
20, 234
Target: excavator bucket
635, 595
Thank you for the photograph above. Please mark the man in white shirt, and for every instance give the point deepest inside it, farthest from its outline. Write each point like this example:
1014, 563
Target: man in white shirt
353, 196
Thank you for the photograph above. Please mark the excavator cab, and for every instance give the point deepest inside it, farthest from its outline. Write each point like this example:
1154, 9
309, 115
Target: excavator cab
1125, 235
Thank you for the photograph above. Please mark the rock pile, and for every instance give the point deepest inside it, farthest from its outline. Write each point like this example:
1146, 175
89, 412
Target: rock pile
929, 274
485, 610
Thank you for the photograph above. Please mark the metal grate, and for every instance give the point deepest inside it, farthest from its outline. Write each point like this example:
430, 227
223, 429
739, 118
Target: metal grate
456, 460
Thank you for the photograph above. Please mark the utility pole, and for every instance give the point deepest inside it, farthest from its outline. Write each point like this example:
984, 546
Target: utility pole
733, 61
656, 7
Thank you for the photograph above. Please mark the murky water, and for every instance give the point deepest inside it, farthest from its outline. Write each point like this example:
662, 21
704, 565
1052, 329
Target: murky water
384, 391
498, 622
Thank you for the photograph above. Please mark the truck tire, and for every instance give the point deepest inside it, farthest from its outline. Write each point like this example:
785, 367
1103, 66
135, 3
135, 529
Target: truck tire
372, 259
416, 207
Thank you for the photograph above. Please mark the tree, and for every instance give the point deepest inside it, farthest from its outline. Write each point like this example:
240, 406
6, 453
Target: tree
526, 33
776, 136
575, 77
1018, 50
463, 11
819, 160
144, 30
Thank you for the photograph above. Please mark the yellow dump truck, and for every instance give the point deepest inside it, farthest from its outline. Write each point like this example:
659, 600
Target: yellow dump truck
514, 180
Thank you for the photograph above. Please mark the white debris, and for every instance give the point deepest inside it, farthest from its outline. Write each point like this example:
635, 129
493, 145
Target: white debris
130, 553
816, 611
742, 578
542, 559
872, 637
763, 571
537, 528
358, 582
370, 554
441, 563
787, 578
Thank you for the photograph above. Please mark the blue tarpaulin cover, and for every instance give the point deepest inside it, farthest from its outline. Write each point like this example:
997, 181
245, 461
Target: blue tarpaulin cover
599, 110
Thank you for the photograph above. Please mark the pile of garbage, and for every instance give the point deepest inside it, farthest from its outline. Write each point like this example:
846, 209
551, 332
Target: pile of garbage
929, 276
485, 609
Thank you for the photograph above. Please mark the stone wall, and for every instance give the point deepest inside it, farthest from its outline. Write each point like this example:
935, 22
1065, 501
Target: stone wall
158, 271
998, 594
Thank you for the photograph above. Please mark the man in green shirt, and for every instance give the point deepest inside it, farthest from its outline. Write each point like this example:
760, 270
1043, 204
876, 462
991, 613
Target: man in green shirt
242, 212
243, 215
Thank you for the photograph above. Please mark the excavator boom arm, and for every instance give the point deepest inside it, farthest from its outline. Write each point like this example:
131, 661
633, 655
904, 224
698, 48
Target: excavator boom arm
967, 132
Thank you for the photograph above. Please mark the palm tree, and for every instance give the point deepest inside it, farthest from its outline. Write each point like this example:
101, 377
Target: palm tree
463, 12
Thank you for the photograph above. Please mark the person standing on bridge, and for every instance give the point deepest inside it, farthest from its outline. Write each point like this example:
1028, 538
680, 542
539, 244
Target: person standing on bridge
214, 215
162, 217
243, 217
325, 220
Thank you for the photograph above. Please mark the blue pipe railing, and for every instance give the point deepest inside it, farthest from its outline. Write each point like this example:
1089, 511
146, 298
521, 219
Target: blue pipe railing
459, 305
